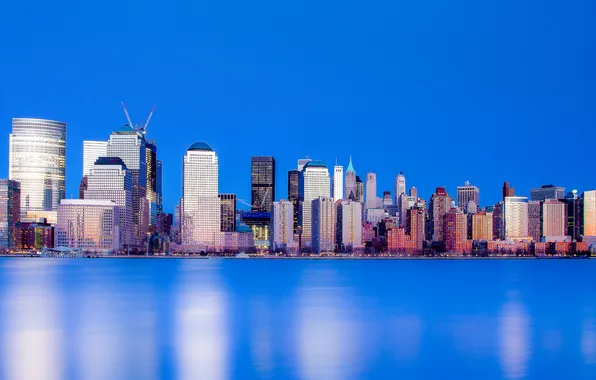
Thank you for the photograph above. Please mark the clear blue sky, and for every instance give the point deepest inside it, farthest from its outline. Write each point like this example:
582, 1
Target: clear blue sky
446, 91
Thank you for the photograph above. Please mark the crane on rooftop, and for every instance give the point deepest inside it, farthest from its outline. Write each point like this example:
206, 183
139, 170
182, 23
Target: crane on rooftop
141, 127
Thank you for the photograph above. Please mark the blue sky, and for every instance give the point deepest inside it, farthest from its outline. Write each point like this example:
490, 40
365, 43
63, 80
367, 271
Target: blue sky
446, 91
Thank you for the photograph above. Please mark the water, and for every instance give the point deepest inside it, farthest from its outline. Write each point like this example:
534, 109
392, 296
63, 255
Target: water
297, 319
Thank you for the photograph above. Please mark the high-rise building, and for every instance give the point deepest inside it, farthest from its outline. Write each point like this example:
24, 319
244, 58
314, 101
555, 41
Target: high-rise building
415, 226
359, 190
159, 186
282, 227
323, 224
294, 194
516, 218
131, 146
482, 226
400, 185
92, 150
37, 160
151, 193
302, 162
440, 203
465, 194
349, 225
498, 221
110, 180
402, 208
10, 212
89, 225
350, 183
371, 190
338, 182
589, 213
200, 207
535, 220
262, 183
573, 207
387, 200
554, 219
456, 229
228, 212
547, 192
508, 191
314, 183
413, 192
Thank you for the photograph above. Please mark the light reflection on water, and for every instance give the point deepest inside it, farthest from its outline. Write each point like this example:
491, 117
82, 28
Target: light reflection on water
259, 319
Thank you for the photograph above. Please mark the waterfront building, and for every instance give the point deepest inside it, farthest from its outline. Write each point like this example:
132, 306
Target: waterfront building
89, 225
228, 212
440, 203
535, 220
323, 224
482, 226
516, 218
294, 194
371, 190
350, 183
456, 231
34, 234
400, 185
92, 150
131, 146
37, 160
200, 207
109, 179
547, 192
465, 194
153, 199
415, 226
314, 183
259, 222
498, 221
573, 214
554, 220
262, 183
338, 182
349, 226
359, 190
10, 212
589, 213
282, 227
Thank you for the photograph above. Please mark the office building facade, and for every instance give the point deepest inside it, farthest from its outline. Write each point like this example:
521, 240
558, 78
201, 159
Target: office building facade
516, 218
466, 194
547, 192
338, 182
10, 212
323, 225
349, 225
92, 150
314, 183
262, 183
282, 227
228, 212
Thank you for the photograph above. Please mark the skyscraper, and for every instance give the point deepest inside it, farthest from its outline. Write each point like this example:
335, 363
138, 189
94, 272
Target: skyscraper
302, 162
482, 226
323, 224
349, 225
129, 145
547, 192
415, 226
10, 212
282, 226
350, 184
440, 203
589, 213
294, 194
516, 218
413, 192
456, 229
92, 150
507, 191
314, 183
535, 220
371, 190
110, 180
554, 219
359, 190
465, 194
200, 207
228, 212
151, 194
37, 160
338, 182
262, 183
400, 185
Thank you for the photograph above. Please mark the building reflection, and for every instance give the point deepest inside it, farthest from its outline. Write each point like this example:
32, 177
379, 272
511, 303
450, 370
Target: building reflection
588, 341
31, 321
407, 330
261, 340
514, 339
201, 335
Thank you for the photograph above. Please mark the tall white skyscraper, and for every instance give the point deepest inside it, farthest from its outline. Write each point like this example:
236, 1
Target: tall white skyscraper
371, 190
282, 226
323, 225
92, 150
554, 218
400, 186
349, 225
516, 218
338, 182
314, 183
37, 160
589, 217
200, 206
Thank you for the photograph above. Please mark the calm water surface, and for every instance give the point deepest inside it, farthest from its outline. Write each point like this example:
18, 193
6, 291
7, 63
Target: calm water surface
297, 319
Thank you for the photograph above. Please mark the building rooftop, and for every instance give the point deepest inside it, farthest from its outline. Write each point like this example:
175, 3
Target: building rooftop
110, 161
350, 167
200, 146
125, 129
315, 164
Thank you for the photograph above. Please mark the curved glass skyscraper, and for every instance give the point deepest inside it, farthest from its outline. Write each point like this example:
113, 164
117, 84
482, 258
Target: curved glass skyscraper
37, 159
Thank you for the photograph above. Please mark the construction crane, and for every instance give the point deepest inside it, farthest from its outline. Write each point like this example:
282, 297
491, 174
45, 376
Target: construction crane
257, 205
141, 128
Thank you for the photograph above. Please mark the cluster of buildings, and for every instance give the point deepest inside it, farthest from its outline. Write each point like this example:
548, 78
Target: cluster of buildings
119, 208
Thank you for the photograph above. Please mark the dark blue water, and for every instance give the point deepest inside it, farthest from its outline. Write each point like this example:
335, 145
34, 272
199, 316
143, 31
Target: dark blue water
297, 319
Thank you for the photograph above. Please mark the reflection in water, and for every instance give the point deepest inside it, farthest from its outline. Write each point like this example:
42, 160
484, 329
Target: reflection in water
514, 337
33, 343
408, 330
201, 331
261, 339
589, 341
